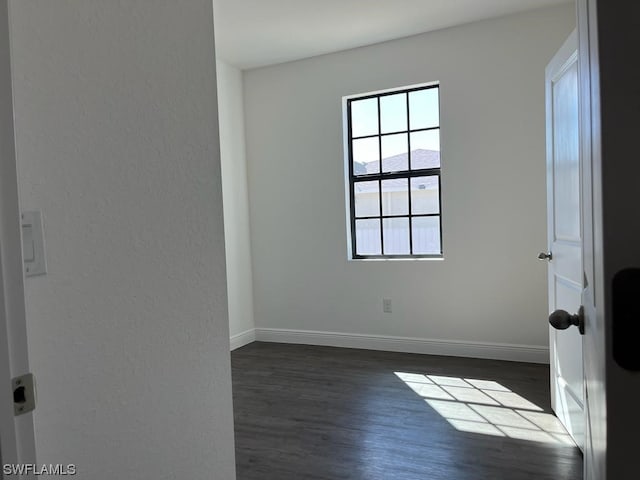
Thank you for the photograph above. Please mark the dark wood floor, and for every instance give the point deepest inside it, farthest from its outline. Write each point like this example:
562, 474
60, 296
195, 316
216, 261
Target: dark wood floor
305, 412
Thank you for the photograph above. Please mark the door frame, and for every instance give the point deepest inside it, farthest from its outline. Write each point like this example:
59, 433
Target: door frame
17, 438
610, 121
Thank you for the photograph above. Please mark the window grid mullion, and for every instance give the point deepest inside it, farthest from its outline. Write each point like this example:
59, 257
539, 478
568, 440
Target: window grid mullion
408, 215
425, 172
409, 178
387, 134
380, 180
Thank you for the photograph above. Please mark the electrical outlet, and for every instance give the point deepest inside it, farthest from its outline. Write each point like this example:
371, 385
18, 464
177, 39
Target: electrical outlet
386, 305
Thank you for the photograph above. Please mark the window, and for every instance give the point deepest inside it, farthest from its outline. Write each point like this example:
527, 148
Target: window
394, 173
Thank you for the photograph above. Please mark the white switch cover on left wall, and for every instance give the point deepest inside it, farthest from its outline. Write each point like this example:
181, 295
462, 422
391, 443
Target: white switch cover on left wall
33, 244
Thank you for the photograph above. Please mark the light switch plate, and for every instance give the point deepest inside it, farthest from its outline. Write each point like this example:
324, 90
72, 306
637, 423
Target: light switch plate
33, 244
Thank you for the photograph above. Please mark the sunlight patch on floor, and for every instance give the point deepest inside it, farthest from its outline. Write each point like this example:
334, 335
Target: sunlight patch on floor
486, 407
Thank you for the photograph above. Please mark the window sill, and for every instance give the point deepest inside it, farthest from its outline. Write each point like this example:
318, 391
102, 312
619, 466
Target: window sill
397, 259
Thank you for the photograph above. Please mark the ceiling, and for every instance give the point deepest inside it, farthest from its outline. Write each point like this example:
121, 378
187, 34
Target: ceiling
254, 33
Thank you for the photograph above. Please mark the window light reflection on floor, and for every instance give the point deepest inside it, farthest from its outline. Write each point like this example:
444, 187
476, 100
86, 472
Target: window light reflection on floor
486, 407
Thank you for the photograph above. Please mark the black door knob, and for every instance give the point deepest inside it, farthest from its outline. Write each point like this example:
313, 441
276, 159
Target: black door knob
561, 320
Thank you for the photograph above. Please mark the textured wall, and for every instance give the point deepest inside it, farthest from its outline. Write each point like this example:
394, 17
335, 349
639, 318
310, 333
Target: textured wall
117, 139
489, 287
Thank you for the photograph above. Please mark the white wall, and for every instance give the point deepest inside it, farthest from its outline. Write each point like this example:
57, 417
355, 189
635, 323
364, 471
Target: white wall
490, 287
117, 140
236, 204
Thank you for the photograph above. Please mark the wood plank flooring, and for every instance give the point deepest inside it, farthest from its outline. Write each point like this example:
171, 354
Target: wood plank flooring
306, 412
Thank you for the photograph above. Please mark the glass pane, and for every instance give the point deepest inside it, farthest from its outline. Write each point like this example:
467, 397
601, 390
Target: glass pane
394, 152
425, 149
566, 158
396, 236
424, 109
393, 113
425, 195
426, 235
368, 237
367, 198
364, 117
395, 197
366, 156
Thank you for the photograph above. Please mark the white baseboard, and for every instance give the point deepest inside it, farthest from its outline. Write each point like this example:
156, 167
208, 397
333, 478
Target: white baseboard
496, 351
243, 338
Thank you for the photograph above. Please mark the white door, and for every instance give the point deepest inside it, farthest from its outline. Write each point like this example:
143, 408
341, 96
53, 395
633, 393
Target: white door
595, 357
565, 236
